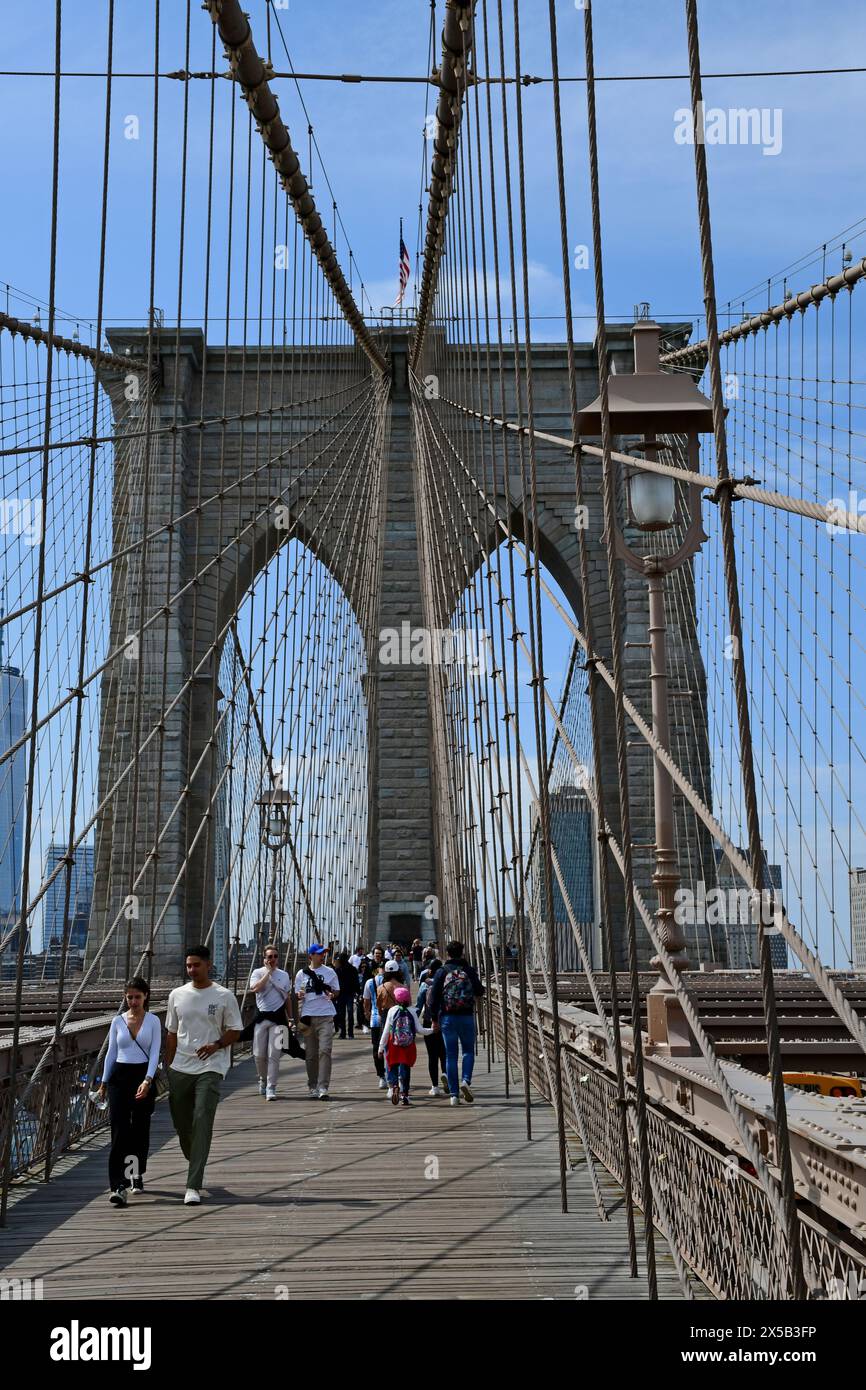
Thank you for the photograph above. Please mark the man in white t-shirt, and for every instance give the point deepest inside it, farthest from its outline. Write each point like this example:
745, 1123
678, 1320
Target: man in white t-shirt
202, 1021
272, 987
317, 986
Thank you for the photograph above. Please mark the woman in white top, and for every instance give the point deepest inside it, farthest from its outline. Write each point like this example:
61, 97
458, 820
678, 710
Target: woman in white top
134, 1043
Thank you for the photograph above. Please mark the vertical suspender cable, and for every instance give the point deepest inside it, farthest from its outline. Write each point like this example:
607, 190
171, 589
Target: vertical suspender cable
617, 650
756, 852
37, 640
589, 629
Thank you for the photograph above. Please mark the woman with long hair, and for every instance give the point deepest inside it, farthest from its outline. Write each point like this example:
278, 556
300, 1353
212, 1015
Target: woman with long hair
129, 1079
432, 1041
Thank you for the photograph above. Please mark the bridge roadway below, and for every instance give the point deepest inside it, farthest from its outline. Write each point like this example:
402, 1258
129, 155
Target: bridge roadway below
314, 1200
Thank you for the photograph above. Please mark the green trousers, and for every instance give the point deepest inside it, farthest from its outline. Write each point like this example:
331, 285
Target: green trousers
193, 1100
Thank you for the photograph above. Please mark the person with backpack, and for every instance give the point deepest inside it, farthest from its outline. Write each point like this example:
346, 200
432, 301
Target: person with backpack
452, 998
385, 993
371, 1011
397, 1044
433, 1040
317, 986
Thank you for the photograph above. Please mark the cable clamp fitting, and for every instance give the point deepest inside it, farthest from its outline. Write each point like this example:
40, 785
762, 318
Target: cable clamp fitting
728, 485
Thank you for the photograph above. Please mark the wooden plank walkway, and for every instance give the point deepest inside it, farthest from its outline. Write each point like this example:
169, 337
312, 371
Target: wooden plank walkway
352, 1199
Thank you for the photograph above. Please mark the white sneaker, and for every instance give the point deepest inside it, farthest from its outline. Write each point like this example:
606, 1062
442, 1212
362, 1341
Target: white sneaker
466, 1091
271, 1093
443, 1090
383, 1085
261, 1087
314, 1093
455, 1100
322, 1093
191, 1197
365, 1030
434, 1091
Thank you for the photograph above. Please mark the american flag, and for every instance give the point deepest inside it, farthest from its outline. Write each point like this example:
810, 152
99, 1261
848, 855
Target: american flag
405, 267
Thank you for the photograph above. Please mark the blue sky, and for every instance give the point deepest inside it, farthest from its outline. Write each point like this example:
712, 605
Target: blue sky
768, 210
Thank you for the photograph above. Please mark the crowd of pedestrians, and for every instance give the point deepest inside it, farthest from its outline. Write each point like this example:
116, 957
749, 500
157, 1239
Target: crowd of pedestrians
368, 990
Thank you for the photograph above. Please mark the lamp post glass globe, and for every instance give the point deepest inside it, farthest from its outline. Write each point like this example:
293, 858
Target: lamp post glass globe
652, 500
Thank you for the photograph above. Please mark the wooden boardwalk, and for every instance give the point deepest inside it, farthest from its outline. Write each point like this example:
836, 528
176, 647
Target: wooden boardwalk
351, 1199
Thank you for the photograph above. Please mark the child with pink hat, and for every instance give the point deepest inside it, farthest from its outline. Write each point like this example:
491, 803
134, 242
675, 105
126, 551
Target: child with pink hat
397, 1044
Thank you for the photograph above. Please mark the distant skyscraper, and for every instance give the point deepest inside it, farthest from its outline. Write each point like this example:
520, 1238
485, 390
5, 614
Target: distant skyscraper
80, 897
857, 883
13, 780
572, 837
737, 920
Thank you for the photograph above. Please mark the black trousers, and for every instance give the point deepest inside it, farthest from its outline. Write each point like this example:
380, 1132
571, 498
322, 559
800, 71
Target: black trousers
375, 1036
130, 1123
345, 1015
435, 1045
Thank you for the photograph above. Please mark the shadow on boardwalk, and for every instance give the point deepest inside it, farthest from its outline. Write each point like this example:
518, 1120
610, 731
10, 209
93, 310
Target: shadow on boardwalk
351, 1199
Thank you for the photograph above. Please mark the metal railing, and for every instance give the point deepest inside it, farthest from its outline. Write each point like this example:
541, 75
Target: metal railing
721, 1219
55, 1111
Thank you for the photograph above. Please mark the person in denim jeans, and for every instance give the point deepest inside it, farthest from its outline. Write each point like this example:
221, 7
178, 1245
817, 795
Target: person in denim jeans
451, 1005
401, 1055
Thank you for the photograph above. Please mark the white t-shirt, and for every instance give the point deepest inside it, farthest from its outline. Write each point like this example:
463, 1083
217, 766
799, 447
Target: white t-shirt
275, 992
356, 960
201, 1016
317, 1005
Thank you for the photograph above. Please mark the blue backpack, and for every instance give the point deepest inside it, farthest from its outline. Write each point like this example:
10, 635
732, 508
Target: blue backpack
403, 1028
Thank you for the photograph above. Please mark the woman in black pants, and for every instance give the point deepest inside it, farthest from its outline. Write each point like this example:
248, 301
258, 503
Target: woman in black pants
129, 1078
433, 1042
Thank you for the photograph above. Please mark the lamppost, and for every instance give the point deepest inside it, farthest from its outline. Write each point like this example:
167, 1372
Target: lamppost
647, 404
274, 807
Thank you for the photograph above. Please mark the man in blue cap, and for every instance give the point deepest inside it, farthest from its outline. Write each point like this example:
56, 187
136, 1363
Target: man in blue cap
317, 986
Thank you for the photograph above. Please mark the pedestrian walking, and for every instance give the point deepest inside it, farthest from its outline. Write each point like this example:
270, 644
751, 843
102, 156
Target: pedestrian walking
129, 1080
317, 987
405, 971
397, 1044
272, 987
357, 957
385, 993
416, 951
361, 962
433, 1040
350, 988
202, 1021
373, 1016
452, 996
